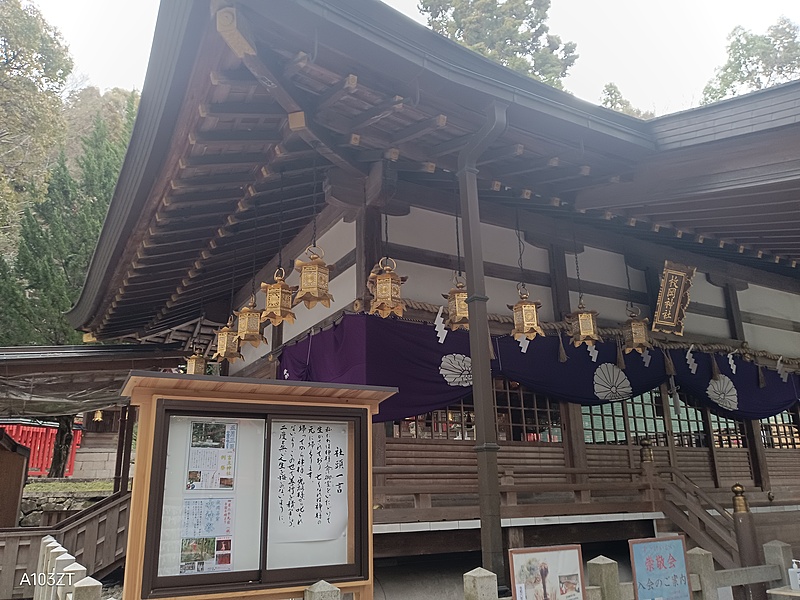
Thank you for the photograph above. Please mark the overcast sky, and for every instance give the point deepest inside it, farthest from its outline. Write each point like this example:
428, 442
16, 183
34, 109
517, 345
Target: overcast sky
659, 55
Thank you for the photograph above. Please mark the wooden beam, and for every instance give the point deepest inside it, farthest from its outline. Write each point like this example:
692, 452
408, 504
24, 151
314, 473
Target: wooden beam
226, 136
526, 168
549, 229
228, 160
500, 154
344, 88
376, 113
733, 312
240, 41
260, 110
419, 129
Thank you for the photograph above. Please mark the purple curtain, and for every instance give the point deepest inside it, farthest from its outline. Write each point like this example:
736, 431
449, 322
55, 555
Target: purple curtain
364, 349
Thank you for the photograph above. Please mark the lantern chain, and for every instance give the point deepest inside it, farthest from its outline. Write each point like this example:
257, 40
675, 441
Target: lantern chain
627, 276
577, 265
386, 235
255, 248
521, 247
458, 236
280, 224
314, 195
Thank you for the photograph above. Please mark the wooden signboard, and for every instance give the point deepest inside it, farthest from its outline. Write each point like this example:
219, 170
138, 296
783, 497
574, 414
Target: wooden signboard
549, 573
659, 569
249, 487
673, 298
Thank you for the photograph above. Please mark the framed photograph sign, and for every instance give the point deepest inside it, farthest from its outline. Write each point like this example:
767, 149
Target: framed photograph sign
548, 573
659, 569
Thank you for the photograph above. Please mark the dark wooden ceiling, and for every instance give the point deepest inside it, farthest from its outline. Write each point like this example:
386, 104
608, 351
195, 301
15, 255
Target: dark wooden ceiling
261, 143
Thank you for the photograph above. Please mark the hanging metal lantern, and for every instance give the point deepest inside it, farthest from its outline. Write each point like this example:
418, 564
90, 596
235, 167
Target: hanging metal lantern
196, 364
457, 311
98, 415
526, 316
583, 324
634, 331
314, 277
278, 300
250, 329
384, 285
227, 343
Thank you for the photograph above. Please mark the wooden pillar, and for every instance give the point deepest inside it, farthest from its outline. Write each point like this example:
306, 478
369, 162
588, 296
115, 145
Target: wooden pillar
121, 442
712, 448
126, 455
755, 443
486, 446
574, 441
368, 249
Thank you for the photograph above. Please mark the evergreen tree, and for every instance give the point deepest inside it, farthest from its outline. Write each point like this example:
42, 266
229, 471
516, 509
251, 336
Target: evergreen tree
612, 98
512, 32
757, 61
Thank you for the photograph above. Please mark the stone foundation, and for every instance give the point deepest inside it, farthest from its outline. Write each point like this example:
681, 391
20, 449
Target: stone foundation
34, 504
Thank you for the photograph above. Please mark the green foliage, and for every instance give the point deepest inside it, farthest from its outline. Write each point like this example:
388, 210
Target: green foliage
513, 33
34, 65
57, 237
612, 98
757, 61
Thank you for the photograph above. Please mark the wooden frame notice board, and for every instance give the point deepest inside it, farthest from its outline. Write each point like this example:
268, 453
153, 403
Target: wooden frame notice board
248, 493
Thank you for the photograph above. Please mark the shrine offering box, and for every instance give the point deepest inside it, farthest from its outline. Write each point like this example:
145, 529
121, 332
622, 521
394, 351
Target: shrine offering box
247, 486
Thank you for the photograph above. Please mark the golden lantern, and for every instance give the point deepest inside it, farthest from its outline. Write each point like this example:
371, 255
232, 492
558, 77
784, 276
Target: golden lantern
98, 415
457, 311
526, 316
250, 329
634, 331
384, 285
227, 343
196, 364
278, 300
314, 276
583, 325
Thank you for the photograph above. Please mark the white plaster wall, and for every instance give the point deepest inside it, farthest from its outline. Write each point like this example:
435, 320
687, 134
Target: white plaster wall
336, 242
703, 325
777, 341
427, 284
605, 267
437, 232
612, 311
769, 302
706, 293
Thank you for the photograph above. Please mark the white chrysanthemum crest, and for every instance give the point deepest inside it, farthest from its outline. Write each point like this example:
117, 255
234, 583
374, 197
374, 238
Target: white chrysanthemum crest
456, 369
610, 383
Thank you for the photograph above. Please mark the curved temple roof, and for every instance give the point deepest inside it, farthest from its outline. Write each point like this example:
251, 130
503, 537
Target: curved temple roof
303, 107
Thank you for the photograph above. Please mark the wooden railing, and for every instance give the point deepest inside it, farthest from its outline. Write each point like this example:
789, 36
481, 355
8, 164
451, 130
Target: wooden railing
96, 537
526, 491
706, 521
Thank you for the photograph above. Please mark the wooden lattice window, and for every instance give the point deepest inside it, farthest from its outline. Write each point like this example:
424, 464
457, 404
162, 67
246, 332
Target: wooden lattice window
688, 429
605, 424
524, 415
782, 430
727, 433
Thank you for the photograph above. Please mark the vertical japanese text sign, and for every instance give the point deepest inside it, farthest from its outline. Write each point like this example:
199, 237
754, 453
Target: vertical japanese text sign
659, 569
673, 298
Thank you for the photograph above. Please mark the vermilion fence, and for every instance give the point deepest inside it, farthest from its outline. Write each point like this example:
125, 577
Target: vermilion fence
41, 440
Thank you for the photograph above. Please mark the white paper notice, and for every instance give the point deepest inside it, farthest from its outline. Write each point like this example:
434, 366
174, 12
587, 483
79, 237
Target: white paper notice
212, 456
206, 530
308, 499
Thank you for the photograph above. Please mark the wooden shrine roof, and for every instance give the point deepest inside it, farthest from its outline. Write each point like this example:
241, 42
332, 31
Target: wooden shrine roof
233, 153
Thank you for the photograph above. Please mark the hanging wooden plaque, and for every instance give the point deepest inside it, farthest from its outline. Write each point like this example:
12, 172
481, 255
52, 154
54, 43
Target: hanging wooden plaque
673, 298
